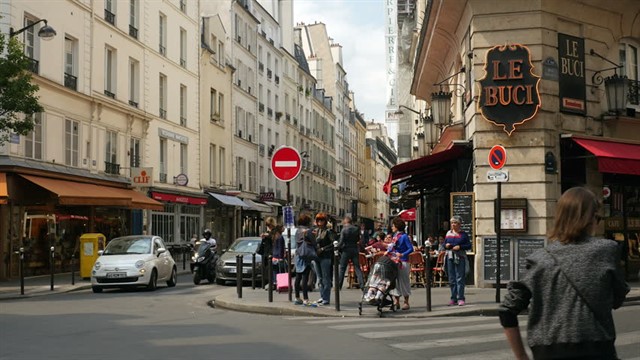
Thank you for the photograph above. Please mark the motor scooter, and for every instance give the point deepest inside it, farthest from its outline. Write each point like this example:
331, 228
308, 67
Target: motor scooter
204, 264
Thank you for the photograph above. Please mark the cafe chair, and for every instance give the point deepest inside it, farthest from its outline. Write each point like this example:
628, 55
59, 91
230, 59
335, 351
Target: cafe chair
416, 262
438, 269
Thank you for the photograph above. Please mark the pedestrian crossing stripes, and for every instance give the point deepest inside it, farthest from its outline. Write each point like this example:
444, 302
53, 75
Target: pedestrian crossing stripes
447, 338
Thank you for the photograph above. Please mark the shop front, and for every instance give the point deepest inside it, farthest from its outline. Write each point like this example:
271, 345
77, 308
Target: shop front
181, 217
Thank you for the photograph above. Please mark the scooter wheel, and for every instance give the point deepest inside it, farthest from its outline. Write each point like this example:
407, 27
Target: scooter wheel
196, 278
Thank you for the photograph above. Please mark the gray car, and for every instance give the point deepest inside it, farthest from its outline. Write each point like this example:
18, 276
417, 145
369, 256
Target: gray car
226, 265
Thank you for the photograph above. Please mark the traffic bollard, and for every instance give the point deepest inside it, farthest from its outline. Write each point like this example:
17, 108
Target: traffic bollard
427, 284
253, 271
52, 263
336, 275
239, 275
73, 270
270, 277
21, 253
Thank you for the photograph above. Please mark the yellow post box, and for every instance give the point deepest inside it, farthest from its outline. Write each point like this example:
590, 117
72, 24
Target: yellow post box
90, 244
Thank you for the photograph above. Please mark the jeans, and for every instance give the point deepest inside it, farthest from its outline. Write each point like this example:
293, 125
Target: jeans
302, 281
456, 275
350, 254
325, 274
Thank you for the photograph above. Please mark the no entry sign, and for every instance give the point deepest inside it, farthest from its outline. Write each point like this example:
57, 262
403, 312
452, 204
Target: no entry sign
497, 157
286, 163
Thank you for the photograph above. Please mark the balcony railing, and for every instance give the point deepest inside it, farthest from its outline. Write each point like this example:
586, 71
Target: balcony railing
162, 49
163, 113
261, 150
111, 168
133, 31
634, 95
288, 117
261, 67
163, 177
269, 73
70, 81
183, 121
183, 62
110, 94
133, 103
277, 79
270, 112
135, 161
34, 66
261, 107
109, 17
183, 5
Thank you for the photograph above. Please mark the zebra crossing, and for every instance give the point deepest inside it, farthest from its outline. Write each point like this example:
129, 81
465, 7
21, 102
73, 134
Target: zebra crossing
447, 338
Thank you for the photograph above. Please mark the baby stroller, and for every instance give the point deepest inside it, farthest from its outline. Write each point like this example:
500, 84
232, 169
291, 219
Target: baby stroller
382, 280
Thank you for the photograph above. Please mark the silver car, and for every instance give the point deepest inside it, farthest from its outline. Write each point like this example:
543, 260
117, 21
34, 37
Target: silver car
226, 265
134, 261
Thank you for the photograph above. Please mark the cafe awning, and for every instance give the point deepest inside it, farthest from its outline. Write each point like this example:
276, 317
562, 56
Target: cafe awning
258, 206
613, 156
229, 200
78, 193
4, 193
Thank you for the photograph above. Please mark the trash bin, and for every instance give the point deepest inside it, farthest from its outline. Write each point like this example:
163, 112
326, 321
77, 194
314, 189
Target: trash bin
90, 244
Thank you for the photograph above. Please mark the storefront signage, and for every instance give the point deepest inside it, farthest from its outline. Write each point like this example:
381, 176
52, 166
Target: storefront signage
142, 177
173, 136
178, 198
181, 180
550, 69
572, 85
267, 196
509, 93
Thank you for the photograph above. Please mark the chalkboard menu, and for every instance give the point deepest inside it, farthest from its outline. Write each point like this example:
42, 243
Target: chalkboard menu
491, 258
462, 205
527, 247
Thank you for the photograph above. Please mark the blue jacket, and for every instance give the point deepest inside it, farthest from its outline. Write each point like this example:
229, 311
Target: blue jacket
403, 246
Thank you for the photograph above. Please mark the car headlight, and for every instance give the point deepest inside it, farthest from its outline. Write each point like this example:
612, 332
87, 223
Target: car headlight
97, 265
139, 264
201, 258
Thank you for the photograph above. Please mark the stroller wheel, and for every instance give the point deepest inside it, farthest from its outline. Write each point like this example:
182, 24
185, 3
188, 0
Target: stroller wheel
359, 308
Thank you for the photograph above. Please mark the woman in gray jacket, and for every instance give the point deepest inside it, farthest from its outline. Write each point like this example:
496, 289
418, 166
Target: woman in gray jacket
570, 287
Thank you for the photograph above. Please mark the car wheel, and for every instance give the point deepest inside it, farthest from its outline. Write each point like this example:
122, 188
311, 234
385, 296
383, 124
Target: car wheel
153, 281
196, 278
96, 289
219, 281
173, 280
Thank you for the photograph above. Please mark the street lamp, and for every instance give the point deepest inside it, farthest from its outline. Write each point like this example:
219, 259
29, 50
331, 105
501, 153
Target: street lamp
441, 107
45, 33
616, 87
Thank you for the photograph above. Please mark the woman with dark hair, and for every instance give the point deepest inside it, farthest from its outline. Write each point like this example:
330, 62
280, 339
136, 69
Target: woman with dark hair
570, 287
304, 237
324, 239
272, 244
403, 247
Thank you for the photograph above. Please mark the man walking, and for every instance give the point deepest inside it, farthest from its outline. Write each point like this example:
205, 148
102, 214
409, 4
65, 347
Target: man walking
348, 244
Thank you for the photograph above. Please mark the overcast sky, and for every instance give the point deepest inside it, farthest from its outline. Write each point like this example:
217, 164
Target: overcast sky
357, 25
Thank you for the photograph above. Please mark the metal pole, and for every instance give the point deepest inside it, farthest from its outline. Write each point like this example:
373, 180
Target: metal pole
253, 271
336, 275
21, 252
498, 239
239, 275
427, 285
270, 270
184, 257
51, 265
73, 269
289, 245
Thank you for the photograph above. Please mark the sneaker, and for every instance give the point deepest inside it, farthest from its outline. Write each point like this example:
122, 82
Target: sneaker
319, 301
451, 302
297, 302
461, 303
322, 303
309, 303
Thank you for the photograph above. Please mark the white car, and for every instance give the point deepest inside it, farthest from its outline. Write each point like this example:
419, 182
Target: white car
134, 261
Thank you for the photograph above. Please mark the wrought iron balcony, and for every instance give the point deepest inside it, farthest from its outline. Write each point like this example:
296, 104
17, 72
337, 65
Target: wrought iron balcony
70, 81
183, 62
269, 73
261, 107
183, 5
135, 161
163, 113
634, 95
110, 94
162, 49
270, 112
163, 177
183, 121
111, 168
261, 67
133, 103
133, 31
109, 17
34, 66
261, 150
288, 117
277, 79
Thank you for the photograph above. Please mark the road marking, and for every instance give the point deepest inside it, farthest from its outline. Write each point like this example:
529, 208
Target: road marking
283, 163
505, 354
438, 330
457, 342
408, 323
628, 338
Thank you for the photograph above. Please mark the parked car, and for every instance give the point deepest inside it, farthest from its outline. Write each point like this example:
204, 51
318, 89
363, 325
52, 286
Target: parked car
133, 261
226, 265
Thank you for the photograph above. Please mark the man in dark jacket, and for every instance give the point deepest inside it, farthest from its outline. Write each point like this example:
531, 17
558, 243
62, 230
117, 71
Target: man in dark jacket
348, 244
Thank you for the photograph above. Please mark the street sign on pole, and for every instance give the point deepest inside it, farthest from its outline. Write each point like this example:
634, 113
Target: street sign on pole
287, 214
497, 157
286, 164
498, 175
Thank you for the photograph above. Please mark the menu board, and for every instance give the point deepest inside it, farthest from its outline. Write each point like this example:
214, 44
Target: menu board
491, 258
462, 205
527, 247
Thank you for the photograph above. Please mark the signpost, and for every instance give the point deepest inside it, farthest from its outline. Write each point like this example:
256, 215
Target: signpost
497, 159
286, 164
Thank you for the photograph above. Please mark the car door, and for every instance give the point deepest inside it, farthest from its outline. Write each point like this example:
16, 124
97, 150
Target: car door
161, 259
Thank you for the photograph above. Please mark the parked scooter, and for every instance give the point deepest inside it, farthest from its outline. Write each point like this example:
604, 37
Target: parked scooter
204, 264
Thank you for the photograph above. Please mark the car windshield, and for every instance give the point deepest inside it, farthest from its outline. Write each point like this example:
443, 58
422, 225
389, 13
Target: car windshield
128, 246
245, 246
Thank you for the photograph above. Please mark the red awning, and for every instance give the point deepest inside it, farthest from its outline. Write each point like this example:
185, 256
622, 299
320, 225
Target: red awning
179, 198
408, 215
425, 166
613, 157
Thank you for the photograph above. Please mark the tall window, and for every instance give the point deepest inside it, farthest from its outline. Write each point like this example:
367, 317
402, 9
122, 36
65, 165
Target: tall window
183, 105
252, 176
212, 164
29, 39
241, 172
112, 147
221, 106
162, 33
163, 160
133, 18
184, 159
134, 82
70, 77
221, 53
71, 130
110, 72
213, 111
162, 96
183, 47
222, 161
134, 153
110, 11
33, 140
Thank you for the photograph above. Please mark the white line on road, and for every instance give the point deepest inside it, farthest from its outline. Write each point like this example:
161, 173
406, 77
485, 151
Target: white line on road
628, 338
407, 323
458, 341
434, 330
505, 354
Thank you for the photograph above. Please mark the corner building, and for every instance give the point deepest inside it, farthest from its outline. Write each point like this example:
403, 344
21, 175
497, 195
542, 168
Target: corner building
569, 131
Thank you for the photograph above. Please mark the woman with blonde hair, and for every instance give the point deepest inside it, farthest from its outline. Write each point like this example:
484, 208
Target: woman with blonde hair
570, 287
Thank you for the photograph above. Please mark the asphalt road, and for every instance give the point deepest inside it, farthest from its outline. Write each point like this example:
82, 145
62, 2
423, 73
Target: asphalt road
178, 323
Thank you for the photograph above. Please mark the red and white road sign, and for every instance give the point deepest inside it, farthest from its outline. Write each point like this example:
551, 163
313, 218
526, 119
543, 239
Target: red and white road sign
497, 157
286, 163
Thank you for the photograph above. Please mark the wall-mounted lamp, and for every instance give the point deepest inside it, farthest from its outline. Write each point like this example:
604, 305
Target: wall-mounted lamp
45, 33
616, 87
441, 100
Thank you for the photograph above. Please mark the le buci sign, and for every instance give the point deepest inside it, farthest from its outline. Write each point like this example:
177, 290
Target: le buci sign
509, 93
142, 177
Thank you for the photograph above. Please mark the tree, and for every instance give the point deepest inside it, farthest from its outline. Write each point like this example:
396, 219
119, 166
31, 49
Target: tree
17, 93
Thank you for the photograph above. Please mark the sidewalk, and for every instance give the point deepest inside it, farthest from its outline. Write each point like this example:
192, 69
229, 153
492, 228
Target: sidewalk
479, 301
